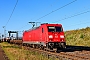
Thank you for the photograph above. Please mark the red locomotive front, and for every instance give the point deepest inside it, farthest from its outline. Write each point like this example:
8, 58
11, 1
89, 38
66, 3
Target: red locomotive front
56, 38
46, 35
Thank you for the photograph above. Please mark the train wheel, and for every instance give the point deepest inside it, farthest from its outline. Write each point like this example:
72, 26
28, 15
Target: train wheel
41, 47
47, 46
33, 46
63, 45
51, 48
38, 46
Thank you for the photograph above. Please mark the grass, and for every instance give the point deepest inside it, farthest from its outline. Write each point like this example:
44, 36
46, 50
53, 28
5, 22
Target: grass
16, 53
80, 37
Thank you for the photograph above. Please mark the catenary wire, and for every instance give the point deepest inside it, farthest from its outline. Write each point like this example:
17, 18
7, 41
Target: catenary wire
12, 13
72, 16
56, 10
24, 26
53, 11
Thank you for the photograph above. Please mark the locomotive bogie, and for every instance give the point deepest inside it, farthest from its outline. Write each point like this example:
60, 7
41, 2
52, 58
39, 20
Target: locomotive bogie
51, 45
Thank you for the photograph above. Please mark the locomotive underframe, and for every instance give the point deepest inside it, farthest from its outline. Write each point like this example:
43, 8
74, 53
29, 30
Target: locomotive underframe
49, 45
57, 45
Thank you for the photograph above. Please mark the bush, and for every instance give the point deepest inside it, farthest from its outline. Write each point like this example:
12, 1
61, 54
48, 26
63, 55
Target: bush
82, 36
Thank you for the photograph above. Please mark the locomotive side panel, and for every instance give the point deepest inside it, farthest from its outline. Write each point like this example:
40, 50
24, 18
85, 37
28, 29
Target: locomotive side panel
43, 35
36, 36
39, 35
32, 36
25, 36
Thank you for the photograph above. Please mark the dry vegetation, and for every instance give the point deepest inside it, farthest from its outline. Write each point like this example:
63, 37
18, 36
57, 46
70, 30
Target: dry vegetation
14, 52
80, 37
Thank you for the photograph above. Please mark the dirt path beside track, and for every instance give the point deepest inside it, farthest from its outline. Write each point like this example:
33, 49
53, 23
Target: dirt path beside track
2, 55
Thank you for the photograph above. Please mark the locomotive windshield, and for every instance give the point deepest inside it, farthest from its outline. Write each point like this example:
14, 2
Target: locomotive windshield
54, 29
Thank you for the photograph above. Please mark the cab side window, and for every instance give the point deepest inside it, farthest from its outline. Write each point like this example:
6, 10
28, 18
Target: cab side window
42, 30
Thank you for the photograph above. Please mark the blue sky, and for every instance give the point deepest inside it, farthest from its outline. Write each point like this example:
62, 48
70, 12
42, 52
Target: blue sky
77, 14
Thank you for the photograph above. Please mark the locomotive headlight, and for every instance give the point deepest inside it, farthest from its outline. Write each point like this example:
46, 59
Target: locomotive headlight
61, 36
50, 36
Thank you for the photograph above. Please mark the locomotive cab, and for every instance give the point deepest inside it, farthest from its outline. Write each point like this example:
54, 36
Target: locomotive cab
56, 38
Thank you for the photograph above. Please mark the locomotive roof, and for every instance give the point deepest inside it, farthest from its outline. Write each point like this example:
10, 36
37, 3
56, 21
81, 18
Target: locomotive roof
32, 28
50, 24
40, 25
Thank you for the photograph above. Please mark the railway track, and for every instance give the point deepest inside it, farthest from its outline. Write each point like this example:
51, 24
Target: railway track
70, 53
75, 55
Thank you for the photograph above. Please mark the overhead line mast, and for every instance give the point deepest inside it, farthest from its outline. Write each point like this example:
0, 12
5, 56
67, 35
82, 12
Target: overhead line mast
9, 19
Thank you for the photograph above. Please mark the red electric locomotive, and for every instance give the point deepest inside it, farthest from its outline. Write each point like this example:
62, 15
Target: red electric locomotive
47, 35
